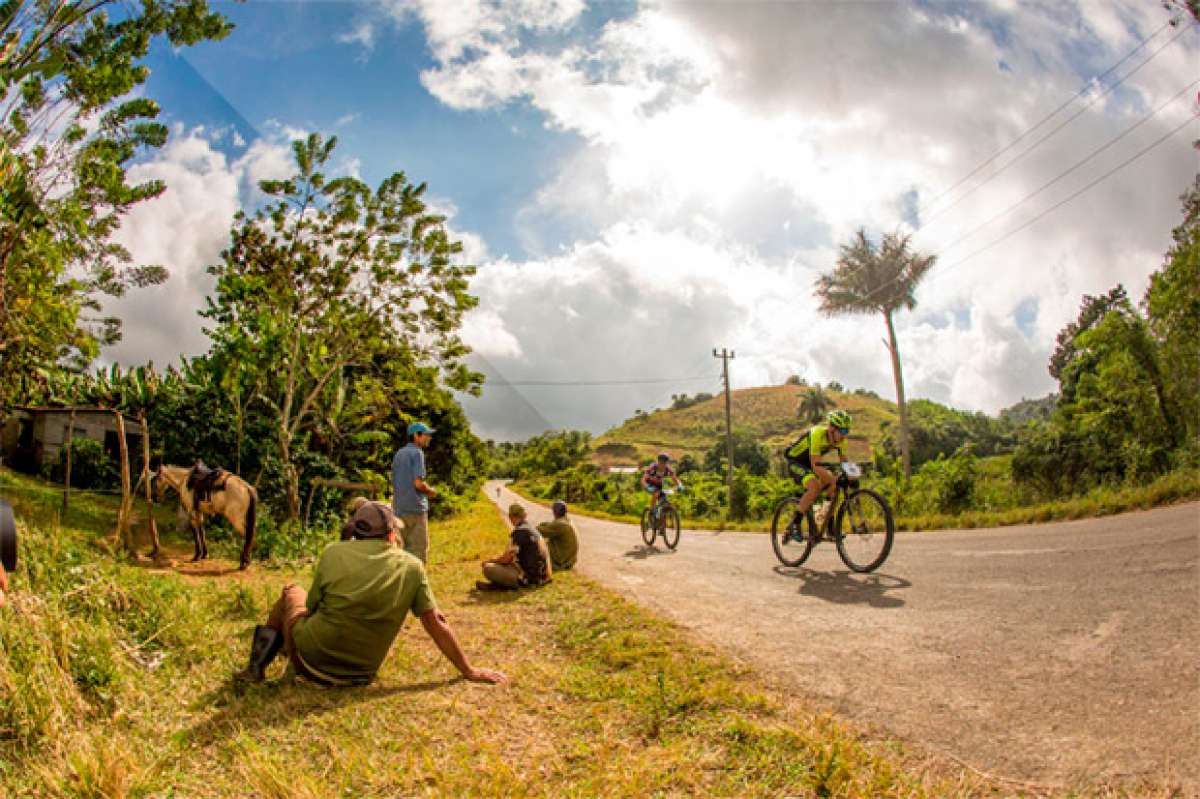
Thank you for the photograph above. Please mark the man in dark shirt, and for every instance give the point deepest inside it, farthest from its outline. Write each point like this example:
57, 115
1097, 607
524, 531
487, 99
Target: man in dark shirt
526, 562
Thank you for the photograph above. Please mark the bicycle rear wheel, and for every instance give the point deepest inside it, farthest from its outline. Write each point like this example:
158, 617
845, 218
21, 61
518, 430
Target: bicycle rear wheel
865, 530
648, 531
670, 527
791, 532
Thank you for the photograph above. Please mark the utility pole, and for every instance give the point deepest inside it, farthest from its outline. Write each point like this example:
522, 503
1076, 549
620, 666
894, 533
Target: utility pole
726, 357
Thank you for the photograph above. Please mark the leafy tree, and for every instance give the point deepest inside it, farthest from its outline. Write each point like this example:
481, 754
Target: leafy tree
813, 404
1172, 304
331, 277
794, 380
68, 131
834, 385
937, 431
1029, 410
883, 279
748, 454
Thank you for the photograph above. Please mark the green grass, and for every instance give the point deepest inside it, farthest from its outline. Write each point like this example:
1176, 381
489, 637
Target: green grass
114, 682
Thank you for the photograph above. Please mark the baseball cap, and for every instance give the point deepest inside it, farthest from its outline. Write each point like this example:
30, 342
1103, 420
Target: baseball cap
371, 520
516, 510
419, 427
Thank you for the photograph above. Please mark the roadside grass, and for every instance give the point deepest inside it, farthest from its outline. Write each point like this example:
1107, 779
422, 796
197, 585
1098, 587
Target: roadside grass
114, 682
1180, 486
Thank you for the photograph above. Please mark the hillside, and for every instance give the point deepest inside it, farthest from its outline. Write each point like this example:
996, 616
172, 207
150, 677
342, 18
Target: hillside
768, 411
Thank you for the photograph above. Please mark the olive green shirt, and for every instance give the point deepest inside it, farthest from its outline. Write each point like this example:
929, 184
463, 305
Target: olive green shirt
361, 592
562, 541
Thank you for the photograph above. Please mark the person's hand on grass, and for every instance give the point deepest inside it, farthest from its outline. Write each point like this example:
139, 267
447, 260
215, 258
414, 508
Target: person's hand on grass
486, 676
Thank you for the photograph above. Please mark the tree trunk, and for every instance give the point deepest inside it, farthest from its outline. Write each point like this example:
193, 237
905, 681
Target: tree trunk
151, 525
290, 475
67, 474
124, 533
899, 377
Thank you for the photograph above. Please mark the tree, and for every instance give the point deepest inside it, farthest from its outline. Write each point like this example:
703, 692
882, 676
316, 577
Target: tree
68, 131
1172, 304
748, 453
883, 279
813, 404
331, 277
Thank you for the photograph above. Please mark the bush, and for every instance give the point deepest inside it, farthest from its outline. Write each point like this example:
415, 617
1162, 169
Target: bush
90, 465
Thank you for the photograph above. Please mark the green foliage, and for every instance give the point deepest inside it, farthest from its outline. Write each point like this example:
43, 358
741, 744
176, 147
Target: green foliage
1030, 410
681, 401
748, 453
91, 467
68, 133
814, 403
550, 453
938, 431
334, 301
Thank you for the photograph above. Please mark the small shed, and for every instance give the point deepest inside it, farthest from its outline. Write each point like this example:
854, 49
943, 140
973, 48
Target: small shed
32, 436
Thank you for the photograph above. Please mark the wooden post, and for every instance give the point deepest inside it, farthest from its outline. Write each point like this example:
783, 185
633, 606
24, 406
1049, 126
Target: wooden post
67, 475
150, 523
124, 534
725, 357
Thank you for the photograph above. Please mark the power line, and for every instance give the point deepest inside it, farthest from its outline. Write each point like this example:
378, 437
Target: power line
1086, 86
633, 382
1067, 199
1052, 208
1078, 164
1059, 127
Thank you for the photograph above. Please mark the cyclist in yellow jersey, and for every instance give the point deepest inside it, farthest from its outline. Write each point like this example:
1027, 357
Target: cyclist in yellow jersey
802, 457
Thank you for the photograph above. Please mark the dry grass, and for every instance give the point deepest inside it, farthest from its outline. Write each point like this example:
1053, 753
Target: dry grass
114, 682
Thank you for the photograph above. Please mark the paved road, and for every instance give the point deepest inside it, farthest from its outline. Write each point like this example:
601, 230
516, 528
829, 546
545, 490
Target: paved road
1051, 653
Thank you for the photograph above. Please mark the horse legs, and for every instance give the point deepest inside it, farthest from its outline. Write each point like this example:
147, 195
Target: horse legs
203, 541
197, 532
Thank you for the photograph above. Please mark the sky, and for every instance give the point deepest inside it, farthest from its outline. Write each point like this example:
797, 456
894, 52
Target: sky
640, 183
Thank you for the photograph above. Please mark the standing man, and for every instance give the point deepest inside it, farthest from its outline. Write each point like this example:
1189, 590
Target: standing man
411, 494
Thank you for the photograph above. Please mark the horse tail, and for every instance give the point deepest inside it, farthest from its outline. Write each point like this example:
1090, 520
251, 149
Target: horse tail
251, 520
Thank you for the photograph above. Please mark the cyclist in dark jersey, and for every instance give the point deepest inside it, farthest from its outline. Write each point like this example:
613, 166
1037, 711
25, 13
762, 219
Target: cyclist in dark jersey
655, 473
802, 457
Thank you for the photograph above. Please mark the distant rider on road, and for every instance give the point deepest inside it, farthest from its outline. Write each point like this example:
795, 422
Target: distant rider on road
652, 478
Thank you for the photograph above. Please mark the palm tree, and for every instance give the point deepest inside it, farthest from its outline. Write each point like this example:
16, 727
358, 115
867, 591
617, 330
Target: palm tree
813, 404
883, 279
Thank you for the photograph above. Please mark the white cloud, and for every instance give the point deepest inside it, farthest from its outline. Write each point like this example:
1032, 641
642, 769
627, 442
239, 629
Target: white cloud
184, 229
729, 147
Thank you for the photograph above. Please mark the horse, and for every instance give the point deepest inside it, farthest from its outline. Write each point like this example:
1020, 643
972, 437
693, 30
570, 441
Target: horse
222, 492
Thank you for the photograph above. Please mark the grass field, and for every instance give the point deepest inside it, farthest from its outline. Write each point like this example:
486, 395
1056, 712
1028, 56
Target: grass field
114, 681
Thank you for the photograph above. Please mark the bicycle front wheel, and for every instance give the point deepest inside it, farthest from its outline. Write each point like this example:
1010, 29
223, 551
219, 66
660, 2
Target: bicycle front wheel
865, 530
671, 527
791, 532
648, 531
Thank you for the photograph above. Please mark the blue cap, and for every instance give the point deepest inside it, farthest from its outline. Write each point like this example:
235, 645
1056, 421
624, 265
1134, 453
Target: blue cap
419, 427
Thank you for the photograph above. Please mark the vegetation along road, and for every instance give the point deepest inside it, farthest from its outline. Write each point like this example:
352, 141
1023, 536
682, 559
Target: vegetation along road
1044, 653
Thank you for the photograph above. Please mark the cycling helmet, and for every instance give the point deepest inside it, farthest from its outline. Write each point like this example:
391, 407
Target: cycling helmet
839, 419
663, 457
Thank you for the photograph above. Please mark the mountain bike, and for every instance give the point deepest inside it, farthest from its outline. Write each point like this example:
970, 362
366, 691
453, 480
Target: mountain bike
661, 519
857, 519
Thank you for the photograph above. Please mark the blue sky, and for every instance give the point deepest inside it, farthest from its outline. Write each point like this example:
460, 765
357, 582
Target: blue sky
641, 182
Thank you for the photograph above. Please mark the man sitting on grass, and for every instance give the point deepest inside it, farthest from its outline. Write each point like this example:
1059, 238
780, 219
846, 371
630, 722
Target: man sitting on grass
561, 538
526, 562
362, 589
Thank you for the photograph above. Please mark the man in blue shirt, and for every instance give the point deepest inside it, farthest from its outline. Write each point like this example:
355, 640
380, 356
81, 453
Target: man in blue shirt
411, 494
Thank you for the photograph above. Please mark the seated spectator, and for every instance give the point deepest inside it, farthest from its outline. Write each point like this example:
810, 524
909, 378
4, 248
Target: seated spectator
526, 562
561, 538
362, 589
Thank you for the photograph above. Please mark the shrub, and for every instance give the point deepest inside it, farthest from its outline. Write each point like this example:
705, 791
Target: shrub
90, 465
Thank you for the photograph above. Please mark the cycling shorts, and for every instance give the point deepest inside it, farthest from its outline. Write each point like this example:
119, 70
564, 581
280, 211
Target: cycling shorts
651, 487
800, 473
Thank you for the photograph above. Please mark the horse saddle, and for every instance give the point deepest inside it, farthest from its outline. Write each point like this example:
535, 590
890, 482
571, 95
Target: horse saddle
203, 481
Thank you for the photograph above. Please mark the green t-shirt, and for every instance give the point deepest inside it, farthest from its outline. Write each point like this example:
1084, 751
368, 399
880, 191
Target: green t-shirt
562, 541
816, 443
360, 594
